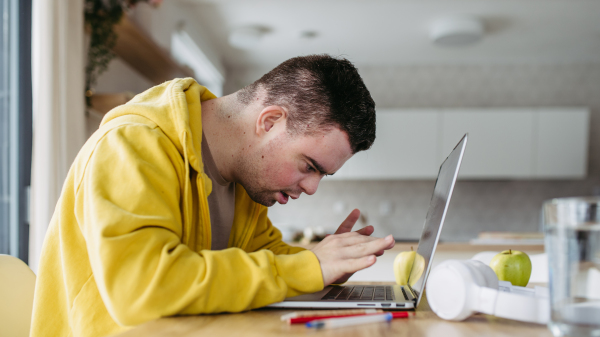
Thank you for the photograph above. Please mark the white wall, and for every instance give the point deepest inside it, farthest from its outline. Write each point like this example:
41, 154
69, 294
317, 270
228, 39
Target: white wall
476, 205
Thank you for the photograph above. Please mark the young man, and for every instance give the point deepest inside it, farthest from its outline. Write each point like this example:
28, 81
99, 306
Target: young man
163, 211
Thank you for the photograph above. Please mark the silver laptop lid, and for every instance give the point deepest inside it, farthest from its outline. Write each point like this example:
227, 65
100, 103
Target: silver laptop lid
444, 185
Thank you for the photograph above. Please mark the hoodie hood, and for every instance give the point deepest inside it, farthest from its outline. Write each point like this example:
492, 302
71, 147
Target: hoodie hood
175, 106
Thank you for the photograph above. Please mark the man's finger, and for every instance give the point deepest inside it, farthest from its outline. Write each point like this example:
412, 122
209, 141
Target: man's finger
354, 265
370, 248
366, 230
347, 225
353, 239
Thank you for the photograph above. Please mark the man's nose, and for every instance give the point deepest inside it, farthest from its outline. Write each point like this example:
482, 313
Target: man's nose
309, 185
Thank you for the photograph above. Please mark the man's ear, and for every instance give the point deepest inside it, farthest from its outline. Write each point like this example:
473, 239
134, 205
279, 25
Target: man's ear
273, 116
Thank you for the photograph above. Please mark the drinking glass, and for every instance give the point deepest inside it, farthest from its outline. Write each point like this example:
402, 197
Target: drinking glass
572, 239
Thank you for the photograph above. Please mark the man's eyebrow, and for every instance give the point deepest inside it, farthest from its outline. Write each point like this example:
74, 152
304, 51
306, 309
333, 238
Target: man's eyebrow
318, 166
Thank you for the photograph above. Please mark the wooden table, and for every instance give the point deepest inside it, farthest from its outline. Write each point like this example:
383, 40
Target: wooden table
266, 322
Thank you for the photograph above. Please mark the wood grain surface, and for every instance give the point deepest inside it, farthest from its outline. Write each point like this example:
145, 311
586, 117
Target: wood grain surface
266, 322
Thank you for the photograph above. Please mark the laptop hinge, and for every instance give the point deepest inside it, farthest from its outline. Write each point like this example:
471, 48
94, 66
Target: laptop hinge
414, 293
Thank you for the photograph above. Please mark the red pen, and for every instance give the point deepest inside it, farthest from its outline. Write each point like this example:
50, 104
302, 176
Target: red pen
397, 314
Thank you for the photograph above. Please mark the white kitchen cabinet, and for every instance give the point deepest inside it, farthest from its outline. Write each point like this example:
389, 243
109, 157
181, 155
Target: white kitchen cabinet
500, 141
511, 143
562, 143
406, 147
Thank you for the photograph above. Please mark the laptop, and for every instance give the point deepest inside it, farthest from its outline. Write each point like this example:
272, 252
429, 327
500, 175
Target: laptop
394, 297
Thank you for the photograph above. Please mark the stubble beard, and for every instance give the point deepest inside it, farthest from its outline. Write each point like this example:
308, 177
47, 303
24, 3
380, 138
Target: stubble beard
263, 198
250, 174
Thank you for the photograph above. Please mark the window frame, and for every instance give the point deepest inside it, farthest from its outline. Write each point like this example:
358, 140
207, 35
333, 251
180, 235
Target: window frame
20, 124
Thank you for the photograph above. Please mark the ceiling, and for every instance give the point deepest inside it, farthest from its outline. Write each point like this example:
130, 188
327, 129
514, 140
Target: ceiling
379, 32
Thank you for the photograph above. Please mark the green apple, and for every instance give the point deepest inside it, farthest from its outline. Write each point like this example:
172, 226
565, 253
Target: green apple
513, 266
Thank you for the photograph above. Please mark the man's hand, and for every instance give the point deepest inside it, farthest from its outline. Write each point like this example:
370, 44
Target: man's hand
345, 252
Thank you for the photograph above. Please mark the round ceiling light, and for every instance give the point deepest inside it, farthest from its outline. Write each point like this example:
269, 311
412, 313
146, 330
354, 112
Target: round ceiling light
246, 37
456, 31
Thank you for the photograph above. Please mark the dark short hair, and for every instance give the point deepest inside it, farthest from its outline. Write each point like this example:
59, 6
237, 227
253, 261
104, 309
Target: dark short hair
319, 92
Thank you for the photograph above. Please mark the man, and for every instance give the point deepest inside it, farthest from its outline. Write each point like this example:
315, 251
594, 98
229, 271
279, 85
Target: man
163, 211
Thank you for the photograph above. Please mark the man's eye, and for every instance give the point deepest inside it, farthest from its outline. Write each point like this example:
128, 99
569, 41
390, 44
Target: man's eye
310, 168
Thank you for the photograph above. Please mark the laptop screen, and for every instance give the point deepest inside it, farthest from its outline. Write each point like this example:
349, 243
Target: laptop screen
437, 213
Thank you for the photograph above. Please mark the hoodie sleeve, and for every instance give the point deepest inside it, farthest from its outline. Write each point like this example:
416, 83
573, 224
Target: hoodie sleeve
128, 206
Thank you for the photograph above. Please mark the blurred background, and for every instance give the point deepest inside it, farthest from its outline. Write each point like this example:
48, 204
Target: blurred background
521, 76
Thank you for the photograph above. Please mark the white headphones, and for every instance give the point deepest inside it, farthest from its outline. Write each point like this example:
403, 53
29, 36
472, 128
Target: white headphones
457, 289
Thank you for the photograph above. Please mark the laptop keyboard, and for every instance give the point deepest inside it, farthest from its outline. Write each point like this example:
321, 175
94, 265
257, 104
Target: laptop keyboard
360, 293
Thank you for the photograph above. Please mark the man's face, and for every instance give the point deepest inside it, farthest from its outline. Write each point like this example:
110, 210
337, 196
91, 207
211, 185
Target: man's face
286, 166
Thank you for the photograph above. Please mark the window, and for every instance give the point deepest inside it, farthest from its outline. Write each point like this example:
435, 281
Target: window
186, 51
15, 125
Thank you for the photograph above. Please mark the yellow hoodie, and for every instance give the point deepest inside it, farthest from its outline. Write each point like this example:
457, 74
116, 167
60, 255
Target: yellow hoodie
130, 238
